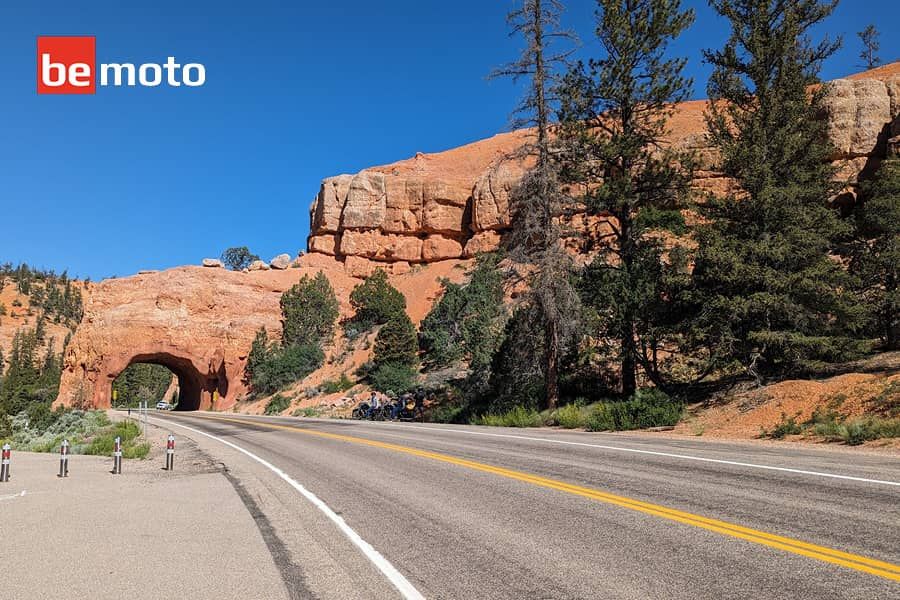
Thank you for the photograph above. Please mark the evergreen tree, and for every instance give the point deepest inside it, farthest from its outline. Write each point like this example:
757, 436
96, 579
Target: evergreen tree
22, 374
257, 355
376, 301
871, 46
517, 371
309, 310
613, 123
238, 258
467, 323
396, 343
876, 253
536, 202
769, 297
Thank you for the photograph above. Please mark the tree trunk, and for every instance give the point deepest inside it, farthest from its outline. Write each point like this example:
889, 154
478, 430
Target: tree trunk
551, 367
893, 332
629, 365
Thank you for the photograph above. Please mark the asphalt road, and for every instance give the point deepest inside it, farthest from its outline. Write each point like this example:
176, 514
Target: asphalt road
471, 512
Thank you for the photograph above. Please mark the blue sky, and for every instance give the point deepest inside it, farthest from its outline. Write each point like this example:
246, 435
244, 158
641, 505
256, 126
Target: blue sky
149, 178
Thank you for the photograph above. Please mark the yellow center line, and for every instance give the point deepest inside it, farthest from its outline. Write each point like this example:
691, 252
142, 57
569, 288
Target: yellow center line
845, 559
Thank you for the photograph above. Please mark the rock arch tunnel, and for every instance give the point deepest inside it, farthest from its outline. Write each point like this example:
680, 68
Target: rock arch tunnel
197, 322
196, 390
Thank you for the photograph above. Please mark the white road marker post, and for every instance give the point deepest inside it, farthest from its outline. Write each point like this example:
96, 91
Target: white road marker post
64, 459
170, 453
4, 463
117, 457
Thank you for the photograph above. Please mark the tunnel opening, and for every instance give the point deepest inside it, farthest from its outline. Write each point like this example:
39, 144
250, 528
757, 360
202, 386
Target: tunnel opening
165, 377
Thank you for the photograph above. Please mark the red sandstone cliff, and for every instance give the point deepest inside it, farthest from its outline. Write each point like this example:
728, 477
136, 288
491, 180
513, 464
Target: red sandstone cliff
456, 203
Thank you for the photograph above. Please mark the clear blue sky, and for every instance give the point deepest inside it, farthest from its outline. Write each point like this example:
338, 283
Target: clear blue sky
296, 91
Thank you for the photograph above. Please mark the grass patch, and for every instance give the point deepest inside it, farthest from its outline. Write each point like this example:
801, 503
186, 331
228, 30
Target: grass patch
856, 431
103, 442
785, 427
571, 416
646, 408
277, 404
307, 412
517, 417
830, 425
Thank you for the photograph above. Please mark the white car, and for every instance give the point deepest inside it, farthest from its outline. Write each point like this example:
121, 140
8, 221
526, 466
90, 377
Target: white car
163, 405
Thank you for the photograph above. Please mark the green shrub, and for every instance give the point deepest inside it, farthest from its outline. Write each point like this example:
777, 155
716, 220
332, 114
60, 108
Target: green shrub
787, 426
392, 377
341, 384
103, 442
857, 431
281, 366
277, 404
570, 416
468, 320
396, 342
40, 417
376, 301
309, 310
137, 451
448, 414
517, 417
646, 408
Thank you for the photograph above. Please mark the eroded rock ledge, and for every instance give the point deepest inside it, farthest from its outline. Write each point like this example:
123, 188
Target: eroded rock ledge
455, 204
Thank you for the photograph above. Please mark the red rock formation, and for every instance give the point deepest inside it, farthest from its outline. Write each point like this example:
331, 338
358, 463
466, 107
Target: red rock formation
456, 203
198, 322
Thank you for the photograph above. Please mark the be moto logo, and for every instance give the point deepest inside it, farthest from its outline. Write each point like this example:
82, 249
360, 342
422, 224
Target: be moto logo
68, 65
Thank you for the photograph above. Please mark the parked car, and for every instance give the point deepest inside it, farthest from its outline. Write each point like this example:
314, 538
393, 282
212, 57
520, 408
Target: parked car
163, 405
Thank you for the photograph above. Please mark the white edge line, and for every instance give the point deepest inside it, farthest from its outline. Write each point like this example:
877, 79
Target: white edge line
650, 452
406, 589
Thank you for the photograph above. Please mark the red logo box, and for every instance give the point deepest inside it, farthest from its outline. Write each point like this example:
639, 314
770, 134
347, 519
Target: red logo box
66, 65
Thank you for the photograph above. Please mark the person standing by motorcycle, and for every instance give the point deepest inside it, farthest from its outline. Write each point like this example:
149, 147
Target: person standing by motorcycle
419, 397
400, 405
374, 405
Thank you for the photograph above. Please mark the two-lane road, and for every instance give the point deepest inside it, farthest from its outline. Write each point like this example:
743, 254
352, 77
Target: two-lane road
472, 512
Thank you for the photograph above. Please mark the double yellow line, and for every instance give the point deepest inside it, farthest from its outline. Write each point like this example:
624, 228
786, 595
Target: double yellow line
822, 553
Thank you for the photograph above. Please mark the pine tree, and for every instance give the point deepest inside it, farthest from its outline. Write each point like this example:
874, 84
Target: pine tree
396, 343
769, 297
376, 301
22, 374
238, 257
259, 350
876, 253
536, 202
614, 115
871, 46
309, 310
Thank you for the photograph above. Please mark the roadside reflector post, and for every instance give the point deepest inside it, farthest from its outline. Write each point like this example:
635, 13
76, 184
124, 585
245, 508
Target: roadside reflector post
64, 459
170, 452
4, 464
117, 457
